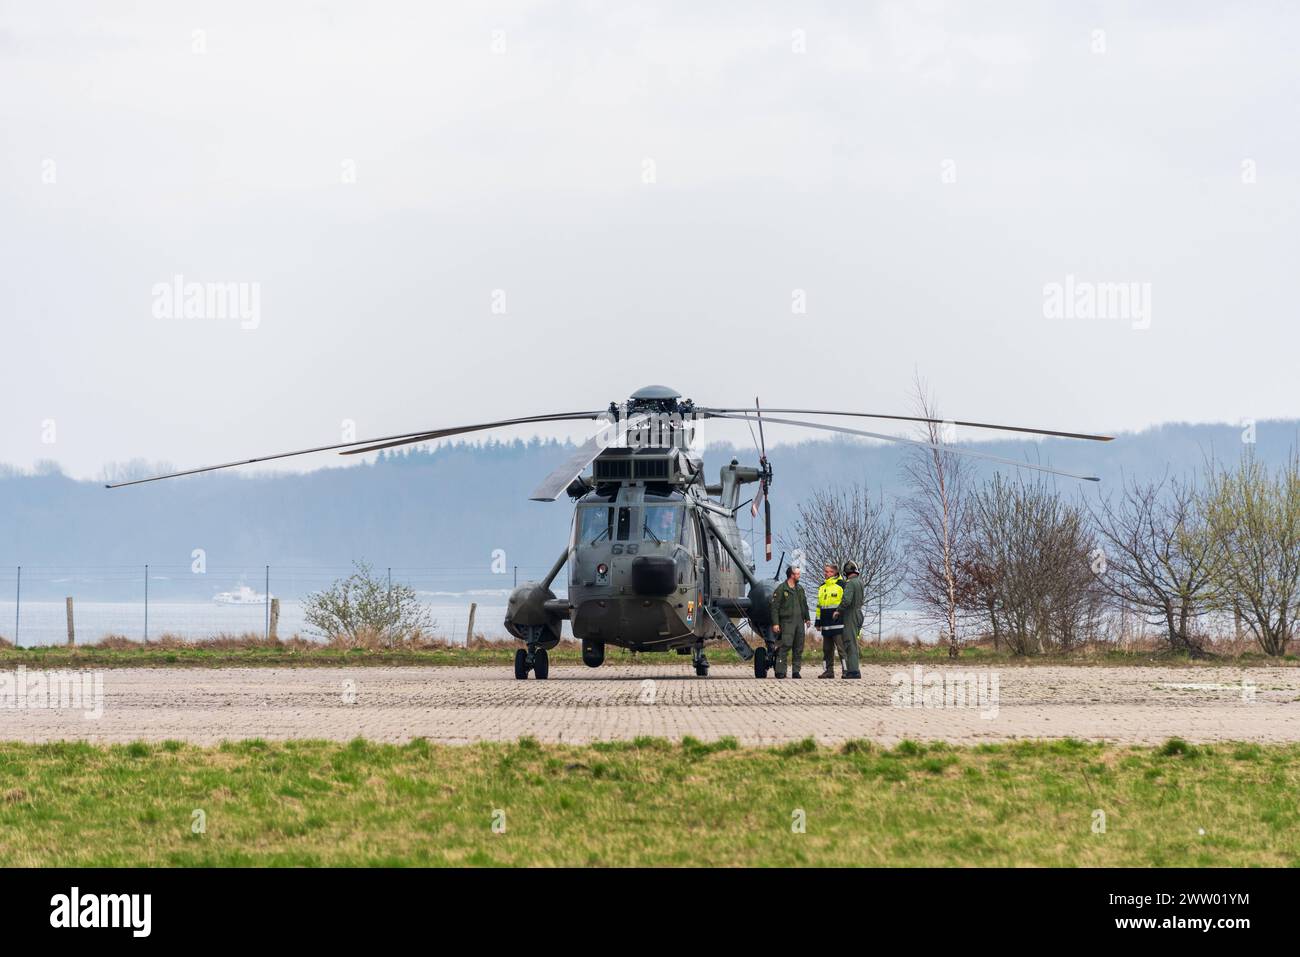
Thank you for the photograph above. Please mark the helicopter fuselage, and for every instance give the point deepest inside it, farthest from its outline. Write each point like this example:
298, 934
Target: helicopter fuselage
643, 561
655, 560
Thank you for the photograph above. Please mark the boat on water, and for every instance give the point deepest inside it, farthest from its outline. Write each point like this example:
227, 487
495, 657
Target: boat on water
241, 596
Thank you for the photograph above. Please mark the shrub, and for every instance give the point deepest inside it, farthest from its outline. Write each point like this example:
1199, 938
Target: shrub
362, 611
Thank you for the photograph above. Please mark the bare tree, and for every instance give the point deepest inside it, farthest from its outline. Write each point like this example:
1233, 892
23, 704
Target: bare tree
1254, 518
1031, 577
838, 524
1075, 599
938, 530
1157, 555
1002, 546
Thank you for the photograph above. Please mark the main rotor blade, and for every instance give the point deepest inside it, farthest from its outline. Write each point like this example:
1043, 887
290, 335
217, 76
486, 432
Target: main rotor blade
417, 437
558, 480
928, 445
399, 439
914, 418
554, 484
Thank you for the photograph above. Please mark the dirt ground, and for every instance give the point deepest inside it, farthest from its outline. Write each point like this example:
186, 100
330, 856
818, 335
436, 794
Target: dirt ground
457, 705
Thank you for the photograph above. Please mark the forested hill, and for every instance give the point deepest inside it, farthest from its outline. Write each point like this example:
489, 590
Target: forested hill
452, 507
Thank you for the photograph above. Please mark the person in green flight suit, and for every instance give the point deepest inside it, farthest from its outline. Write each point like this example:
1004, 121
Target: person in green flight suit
851, 614
790, 620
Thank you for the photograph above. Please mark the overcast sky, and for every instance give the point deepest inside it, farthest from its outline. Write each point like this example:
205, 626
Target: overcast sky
452, 212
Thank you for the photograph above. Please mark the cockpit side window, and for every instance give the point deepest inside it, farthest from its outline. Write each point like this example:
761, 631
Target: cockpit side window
688, 533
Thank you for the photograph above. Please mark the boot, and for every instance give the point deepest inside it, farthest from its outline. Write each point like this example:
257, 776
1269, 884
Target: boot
828, 673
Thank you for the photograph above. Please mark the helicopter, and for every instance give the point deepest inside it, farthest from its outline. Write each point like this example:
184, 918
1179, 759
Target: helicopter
655, 556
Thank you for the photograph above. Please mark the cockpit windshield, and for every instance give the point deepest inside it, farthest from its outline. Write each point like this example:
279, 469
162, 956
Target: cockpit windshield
662, 524
594, 523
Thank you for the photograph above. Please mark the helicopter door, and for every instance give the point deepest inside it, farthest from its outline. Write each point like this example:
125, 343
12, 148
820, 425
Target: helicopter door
713, 562
702, 543
690, 544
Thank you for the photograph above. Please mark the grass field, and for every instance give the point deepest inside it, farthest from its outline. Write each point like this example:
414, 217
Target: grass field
648, 802
254, 651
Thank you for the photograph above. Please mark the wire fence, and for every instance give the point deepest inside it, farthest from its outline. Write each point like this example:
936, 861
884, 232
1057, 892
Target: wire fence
151, 601
45, 605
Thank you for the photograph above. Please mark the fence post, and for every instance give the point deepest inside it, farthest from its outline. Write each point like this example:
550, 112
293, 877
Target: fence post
72, 632
146, 602
469, 632
266, 600
275, 618
18, 605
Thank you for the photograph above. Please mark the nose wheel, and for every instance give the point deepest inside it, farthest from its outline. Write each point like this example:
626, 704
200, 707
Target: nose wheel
701, 663
760, 662
532, 659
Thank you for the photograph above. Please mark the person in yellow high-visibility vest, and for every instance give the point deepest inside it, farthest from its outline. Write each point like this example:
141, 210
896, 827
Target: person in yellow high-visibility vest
829, 595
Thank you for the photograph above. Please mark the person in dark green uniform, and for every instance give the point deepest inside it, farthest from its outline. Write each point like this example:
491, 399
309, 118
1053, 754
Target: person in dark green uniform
852, 616
790, 620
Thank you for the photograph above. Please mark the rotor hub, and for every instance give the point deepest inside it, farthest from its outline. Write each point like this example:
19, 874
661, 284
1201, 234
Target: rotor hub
655, 398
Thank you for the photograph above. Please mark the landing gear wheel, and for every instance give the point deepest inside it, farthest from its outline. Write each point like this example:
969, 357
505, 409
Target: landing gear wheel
593, 653
760, 662
702, 669
541, 665
521, 664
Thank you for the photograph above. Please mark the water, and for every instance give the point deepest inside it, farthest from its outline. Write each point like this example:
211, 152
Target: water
45, 622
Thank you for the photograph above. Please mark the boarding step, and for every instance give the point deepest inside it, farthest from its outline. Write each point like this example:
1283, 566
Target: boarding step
731, 631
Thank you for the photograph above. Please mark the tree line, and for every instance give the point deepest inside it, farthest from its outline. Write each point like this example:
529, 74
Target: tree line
1040, 571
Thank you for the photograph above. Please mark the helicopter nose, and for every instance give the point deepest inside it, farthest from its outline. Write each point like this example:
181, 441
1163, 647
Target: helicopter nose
654, 576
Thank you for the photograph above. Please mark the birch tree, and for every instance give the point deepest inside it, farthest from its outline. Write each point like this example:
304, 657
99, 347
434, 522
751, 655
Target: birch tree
938, 527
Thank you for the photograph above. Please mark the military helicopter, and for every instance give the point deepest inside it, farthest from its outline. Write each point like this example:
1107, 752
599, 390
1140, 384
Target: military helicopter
655, 555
